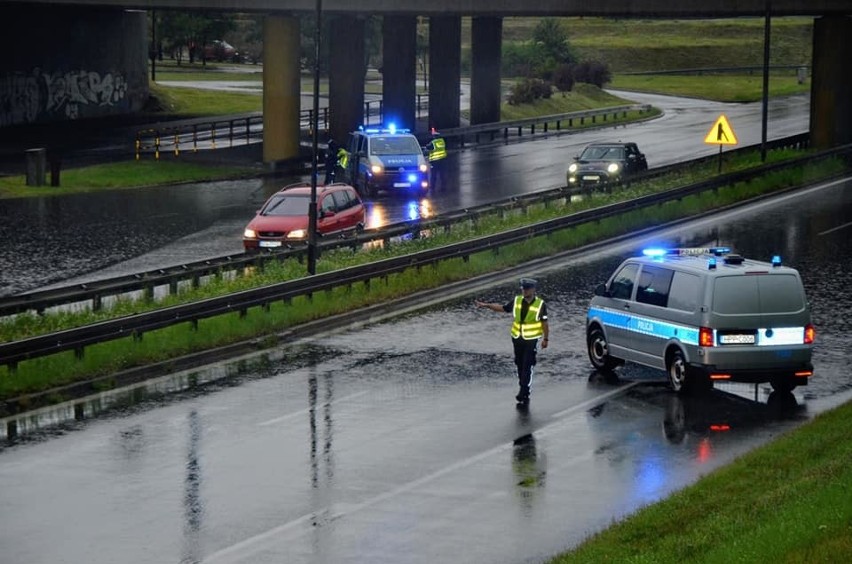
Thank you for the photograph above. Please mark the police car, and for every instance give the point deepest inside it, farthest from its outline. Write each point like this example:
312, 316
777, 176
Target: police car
704, 315
387, 159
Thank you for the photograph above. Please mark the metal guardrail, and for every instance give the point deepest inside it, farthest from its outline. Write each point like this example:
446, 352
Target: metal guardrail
135, 325
95, 293
545, 124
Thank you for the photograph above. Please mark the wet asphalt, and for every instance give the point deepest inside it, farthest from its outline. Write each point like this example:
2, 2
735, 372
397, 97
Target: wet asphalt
400, 441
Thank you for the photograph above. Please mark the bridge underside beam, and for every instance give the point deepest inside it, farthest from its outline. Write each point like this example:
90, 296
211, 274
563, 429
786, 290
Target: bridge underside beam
444, 71
485, 95
831, 87
399, 62
346, 72
281, 89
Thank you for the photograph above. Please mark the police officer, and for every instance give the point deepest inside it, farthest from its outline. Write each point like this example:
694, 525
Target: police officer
528, 328
436, 151
331, 160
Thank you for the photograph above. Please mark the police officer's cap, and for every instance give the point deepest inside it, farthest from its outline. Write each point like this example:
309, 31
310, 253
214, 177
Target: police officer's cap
528, 283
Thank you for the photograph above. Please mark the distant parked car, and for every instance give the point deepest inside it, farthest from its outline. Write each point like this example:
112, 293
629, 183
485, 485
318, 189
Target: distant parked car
284, 216
600, 163
222, 51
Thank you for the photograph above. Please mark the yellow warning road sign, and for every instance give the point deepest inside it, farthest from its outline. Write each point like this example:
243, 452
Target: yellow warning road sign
721, 133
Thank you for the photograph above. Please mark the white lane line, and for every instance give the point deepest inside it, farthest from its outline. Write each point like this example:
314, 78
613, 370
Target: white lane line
244, 549
307, 410
591, 402
839, 227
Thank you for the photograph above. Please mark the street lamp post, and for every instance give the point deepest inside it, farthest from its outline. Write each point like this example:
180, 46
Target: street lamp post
312, 209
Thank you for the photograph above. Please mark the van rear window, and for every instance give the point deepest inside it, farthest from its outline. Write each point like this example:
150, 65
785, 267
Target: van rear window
777, 293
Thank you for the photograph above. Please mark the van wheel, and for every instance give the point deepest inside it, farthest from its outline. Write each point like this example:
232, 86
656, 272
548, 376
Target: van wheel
599, 350
677, 370
684, 380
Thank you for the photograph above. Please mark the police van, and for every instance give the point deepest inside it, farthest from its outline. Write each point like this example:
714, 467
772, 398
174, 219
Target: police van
704, 315
387, 159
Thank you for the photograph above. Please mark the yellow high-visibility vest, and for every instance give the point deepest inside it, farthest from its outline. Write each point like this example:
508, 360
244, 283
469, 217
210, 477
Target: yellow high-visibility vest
531, 326
437, 149
342, 158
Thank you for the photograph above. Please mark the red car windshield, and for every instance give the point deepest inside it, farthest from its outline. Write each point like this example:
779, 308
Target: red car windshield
287, 204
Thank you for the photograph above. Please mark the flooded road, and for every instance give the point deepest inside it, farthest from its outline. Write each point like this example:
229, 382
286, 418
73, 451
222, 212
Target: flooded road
78, 238
400, 442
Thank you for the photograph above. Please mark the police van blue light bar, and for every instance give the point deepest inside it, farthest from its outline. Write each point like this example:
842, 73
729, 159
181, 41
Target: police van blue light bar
776, 260
685, 251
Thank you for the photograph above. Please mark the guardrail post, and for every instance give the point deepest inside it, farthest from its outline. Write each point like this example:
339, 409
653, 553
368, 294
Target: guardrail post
149, 292
157, 145
231, 133
12, 429
213, 135
137, 336
558, 125
79, 411
177, 144
248, 130
195, 138
173, 287
78, 353
96, 302
193, 325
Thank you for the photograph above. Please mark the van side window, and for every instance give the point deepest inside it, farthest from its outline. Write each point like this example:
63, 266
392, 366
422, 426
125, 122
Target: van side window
622, 283
654, 285
683, 293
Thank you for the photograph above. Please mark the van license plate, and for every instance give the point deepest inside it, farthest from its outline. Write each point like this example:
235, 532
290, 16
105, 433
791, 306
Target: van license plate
590, 177
402, 184
736, 339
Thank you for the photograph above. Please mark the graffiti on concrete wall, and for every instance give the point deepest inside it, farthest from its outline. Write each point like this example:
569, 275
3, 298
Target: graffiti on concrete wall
26, 98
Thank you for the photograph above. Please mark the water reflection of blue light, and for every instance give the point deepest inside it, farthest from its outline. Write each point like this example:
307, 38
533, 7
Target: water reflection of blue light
651, 477
413, 210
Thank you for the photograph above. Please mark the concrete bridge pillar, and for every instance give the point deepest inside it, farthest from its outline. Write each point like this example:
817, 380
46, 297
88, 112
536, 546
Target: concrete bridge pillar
444, 71
399, 62
831, 88
346, 72
281, 89
485, 93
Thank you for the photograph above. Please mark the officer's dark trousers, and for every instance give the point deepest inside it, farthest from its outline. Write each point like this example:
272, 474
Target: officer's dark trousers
525, 360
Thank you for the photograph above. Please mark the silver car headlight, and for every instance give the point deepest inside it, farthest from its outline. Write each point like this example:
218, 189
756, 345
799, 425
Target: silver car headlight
249, 234
573, 167
612, 168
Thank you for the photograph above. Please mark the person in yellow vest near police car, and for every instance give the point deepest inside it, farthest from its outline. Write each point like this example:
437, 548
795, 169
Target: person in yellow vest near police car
436, 151
528, 328
336, 157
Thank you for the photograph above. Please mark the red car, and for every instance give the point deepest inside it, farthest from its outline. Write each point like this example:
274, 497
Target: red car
284, 216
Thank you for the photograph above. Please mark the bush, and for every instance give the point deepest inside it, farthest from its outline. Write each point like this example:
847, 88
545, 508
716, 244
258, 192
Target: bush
563, 78
529, 90
592, 72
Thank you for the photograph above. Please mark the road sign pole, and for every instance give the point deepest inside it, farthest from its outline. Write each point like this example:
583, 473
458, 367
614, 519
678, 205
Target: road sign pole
720, 159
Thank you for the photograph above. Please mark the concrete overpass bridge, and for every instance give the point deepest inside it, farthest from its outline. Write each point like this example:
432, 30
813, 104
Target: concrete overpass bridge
80, 58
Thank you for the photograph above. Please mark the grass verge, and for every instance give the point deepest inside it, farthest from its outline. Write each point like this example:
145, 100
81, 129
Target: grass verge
44, 373
125, 174
789, 501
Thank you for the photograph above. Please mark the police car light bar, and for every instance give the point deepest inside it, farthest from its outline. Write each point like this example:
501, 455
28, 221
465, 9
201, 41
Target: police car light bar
686, 251
776, 260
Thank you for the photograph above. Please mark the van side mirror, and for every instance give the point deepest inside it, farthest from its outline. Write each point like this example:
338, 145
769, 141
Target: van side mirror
600, 290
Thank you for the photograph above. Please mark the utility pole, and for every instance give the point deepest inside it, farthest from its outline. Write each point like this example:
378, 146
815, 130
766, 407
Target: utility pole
312, 209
